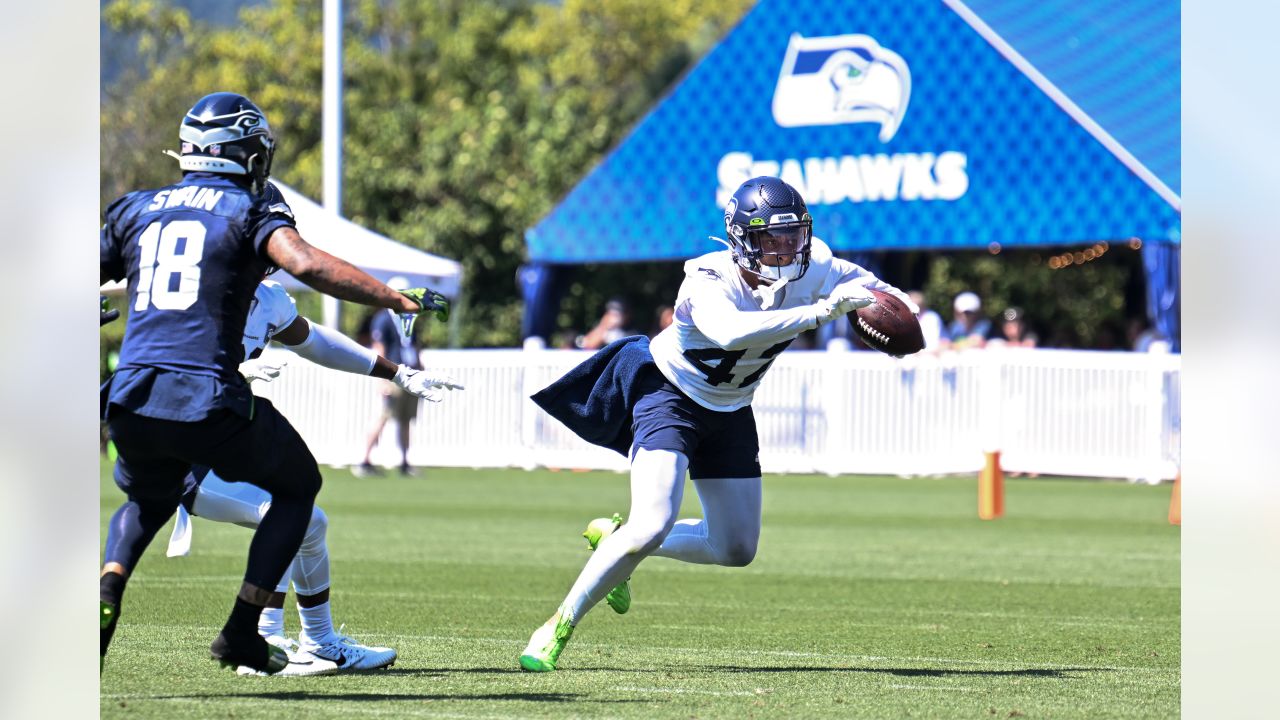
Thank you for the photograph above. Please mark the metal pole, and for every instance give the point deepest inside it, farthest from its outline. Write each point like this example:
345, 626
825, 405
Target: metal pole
331, 133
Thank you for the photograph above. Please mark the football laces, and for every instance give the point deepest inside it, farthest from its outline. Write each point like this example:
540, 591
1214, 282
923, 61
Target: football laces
872, 332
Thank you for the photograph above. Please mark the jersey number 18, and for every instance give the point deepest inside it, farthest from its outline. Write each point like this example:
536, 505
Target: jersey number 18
159, 259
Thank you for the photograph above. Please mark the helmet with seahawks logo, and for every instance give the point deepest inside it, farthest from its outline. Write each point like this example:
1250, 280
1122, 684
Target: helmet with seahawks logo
770, 230
226, 133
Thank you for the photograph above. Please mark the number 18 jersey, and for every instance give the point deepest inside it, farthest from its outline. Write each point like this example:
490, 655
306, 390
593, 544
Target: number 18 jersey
721, 340
193, 256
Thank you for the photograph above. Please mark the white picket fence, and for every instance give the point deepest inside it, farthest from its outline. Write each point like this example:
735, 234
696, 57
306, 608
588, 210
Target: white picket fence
1102, 414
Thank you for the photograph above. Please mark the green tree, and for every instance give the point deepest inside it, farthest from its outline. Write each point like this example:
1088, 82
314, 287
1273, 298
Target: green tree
465, 121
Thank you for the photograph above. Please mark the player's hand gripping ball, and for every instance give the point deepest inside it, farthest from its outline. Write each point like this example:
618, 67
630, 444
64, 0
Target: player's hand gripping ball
888, 325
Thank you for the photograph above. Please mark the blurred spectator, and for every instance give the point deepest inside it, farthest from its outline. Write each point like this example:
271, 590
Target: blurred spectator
1108, 337
930, 321
364, 331
1144, 338
384, 330
662, 319
969, 329
1014, 331
614, 324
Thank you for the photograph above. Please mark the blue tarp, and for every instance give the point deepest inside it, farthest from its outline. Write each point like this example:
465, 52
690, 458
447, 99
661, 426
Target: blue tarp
910, 124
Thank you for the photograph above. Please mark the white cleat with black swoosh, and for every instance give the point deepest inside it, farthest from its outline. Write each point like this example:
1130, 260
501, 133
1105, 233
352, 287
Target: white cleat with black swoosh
349, 655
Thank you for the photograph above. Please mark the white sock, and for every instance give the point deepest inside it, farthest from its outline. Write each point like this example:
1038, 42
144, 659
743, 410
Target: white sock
657, 485
271, 622
317, 624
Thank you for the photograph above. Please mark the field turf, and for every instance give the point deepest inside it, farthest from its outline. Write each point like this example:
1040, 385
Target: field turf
871, 597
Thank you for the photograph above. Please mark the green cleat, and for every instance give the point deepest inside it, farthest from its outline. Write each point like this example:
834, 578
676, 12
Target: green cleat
547, 643
618, 598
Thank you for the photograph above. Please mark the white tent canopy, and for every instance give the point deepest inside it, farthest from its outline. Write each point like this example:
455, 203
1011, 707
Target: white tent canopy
377, 255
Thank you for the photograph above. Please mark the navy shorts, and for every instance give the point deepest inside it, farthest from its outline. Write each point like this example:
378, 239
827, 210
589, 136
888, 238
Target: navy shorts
718, 444
156, 457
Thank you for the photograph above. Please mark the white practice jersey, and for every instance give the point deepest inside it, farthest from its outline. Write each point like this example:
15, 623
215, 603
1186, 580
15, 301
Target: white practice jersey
272, 310
721, 340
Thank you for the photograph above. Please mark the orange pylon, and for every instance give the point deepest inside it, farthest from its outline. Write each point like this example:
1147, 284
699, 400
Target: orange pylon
1175, 501
991, 488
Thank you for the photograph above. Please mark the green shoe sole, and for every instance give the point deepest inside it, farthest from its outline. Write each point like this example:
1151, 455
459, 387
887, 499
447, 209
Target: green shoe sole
529, 663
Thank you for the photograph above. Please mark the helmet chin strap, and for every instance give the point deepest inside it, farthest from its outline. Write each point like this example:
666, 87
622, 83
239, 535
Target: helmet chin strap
770, 294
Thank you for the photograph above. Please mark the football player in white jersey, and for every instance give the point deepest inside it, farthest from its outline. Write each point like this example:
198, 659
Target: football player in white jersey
320, 649
683, 402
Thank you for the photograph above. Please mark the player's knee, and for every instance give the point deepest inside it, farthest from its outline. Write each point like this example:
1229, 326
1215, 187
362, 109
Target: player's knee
318, 526
312, 481
740, 554
647, 536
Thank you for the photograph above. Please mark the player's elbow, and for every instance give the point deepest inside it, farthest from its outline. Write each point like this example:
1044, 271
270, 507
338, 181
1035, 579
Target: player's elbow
727, 338
289, 251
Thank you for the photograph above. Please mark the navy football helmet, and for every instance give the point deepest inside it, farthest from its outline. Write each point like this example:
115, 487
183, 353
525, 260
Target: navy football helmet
226, 133
770, 230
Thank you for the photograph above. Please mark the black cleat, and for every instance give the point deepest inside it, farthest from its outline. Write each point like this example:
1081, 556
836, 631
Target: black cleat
248, 649
108, 614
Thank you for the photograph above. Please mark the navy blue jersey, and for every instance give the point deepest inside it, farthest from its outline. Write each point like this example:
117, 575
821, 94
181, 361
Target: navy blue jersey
193, 255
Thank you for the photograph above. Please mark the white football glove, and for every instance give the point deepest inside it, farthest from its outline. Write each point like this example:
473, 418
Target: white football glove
429, 387
844, 299
262, 369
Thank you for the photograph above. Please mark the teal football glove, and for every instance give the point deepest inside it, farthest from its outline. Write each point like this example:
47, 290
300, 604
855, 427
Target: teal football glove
430, 301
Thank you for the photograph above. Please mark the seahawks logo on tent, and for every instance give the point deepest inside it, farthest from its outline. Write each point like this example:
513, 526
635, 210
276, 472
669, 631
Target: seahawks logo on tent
842, 79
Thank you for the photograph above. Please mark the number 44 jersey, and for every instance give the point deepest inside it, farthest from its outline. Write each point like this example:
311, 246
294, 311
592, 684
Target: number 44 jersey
193, 255
722, 340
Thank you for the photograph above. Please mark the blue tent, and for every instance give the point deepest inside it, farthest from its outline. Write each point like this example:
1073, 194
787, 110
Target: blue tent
915, 124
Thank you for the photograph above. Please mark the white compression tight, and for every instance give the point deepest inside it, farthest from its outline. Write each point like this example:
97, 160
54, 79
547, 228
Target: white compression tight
244, 505
727, 536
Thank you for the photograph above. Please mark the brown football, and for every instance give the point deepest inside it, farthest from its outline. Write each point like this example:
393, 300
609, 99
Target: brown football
888, 325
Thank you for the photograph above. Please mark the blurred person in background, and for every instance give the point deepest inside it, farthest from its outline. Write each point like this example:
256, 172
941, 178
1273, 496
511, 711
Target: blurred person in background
969, 329
614, 325
1145, 338
930, 321
662, 318
397, 404
1014, 330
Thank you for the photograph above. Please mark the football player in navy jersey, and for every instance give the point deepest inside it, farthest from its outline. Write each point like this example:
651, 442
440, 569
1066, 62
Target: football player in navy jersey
193, 254
320, 649
683, 403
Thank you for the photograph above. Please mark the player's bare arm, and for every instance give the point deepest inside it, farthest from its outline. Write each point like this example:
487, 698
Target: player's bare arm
332, 275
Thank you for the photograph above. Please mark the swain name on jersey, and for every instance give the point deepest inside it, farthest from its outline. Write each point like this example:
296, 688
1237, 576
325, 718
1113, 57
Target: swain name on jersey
192, 196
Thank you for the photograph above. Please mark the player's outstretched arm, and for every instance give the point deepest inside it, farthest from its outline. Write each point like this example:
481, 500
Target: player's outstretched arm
330, 348
848, 272
732, 329
332, 275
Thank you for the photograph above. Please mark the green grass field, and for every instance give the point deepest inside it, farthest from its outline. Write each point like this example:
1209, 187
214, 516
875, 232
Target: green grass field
871, 597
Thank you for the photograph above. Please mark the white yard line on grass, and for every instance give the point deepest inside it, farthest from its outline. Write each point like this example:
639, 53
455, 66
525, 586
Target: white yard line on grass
348, 708
945, 688
687, 691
